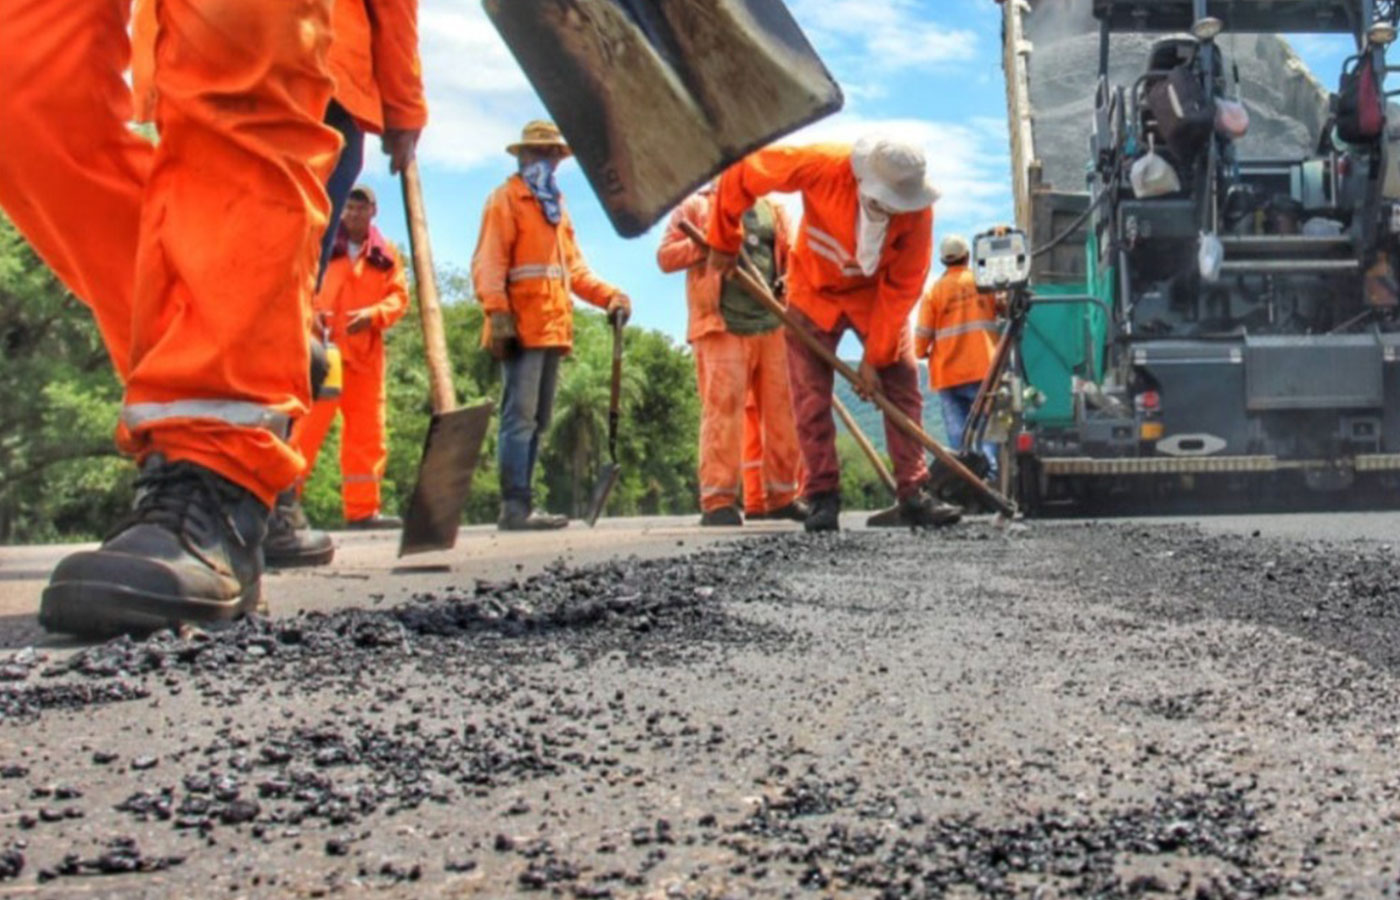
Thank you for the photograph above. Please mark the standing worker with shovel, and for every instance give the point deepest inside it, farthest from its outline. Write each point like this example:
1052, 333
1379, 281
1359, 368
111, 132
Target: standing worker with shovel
863, 251
525, 270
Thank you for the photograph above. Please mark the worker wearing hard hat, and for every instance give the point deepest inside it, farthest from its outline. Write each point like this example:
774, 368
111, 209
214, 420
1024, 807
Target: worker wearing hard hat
862, 254
197, 256
363, 294
526, 267
746, 418
957, 333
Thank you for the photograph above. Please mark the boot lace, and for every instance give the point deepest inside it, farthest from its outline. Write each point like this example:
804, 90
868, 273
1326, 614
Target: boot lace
178, 496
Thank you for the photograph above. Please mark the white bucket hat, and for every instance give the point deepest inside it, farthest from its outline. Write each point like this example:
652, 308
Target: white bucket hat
892, 172
954, 247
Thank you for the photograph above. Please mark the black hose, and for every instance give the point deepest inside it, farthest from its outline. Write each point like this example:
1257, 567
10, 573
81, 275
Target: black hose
1068, 233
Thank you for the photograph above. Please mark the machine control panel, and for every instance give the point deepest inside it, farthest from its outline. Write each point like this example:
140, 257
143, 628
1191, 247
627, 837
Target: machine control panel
1001, 260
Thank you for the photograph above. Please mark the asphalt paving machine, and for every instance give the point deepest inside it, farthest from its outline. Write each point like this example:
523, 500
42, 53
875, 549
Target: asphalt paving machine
1207, 321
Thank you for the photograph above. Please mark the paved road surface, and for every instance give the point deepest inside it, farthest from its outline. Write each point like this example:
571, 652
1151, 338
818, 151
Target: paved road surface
1125, 709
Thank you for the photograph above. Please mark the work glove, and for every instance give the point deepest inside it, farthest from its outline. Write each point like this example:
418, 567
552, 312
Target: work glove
620, 308
505, 341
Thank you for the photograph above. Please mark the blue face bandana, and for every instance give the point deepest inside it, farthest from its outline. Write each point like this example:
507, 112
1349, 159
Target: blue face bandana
539, 175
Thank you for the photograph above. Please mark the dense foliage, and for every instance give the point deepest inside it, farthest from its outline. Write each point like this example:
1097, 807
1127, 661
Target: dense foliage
61, 479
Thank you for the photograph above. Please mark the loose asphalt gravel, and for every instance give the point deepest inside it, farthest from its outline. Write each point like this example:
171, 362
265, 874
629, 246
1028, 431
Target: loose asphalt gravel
1109, 710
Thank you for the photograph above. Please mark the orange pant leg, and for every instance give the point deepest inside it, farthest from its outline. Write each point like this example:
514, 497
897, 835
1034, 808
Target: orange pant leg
309, 433
782, 458
719, 362
364, 450
71, 172
755, 499
231, 219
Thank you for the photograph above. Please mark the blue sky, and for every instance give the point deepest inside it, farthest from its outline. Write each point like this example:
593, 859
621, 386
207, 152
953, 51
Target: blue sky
929, 71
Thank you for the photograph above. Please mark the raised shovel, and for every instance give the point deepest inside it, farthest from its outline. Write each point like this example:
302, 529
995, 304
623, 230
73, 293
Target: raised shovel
611, 471
453, 445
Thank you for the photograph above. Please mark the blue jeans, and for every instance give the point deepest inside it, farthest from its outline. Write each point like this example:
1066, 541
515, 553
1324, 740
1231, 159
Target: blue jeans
347, 170
957, 406
530, 379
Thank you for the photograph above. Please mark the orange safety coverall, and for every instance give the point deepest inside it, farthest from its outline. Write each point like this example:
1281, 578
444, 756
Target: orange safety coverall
198, 255
827, 290
747, 431
373, 61
957, 330
527, 266
374, 280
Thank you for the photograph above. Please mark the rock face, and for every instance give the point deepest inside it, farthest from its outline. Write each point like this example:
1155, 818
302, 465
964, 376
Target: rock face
1287, 105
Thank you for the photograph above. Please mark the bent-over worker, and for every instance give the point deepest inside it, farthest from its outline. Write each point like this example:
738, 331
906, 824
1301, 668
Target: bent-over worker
525, 270
862, 254
957, 333
363, 294
747, 431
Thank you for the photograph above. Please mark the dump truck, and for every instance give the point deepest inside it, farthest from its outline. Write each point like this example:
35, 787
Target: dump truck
1214, 294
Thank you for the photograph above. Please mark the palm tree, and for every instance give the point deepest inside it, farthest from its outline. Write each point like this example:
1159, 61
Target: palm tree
579, 431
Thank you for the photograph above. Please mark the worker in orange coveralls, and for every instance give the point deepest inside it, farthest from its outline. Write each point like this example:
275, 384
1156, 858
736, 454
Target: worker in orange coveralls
526, 270
363, 294
198, 258
863, 251
747, 432
379, 90
957, 333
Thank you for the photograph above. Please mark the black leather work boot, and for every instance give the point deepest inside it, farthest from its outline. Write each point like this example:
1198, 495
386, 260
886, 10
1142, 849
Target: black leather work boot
923, 510
190, 552
826, 512
516, 515
724, 517
291, 541
796, 511
893, 517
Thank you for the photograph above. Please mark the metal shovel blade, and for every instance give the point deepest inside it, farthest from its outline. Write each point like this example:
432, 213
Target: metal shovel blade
656, 96
607, 479
450, 455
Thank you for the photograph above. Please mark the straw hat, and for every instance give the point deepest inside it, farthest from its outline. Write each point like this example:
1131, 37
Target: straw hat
539, 133
892, 172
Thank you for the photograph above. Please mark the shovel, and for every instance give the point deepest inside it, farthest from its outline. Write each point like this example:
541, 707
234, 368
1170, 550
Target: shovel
760, 292
656, 96
607, 478
453, 445
863, 442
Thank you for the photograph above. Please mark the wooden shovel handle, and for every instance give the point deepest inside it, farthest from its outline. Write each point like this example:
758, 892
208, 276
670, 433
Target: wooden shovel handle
444, 396
760, 292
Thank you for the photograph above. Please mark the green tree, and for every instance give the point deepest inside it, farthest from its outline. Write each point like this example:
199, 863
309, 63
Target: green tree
60, 475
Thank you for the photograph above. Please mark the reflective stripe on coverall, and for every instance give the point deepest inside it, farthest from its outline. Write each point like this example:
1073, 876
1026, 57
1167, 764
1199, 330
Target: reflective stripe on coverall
747, 430
374, 281
197, 256
527, 266
826, 286
957, 330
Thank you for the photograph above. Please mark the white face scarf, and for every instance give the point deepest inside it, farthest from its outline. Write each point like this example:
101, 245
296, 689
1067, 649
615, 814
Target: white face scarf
871, 227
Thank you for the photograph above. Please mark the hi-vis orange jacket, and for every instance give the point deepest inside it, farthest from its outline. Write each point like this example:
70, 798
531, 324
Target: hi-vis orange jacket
528, 267
373, 280
957, 330
373, 60
702, 286
824, 280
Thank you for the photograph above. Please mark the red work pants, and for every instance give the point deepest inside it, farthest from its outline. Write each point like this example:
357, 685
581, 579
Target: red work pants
197, 256
728, 368
812, 382
364, 451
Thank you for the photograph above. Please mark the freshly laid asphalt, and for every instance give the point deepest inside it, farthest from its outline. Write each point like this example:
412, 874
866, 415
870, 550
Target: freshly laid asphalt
1134, 708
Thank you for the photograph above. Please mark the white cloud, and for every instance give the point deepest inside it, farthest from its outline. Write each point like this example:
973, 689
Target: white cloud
887, 35
477, 95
